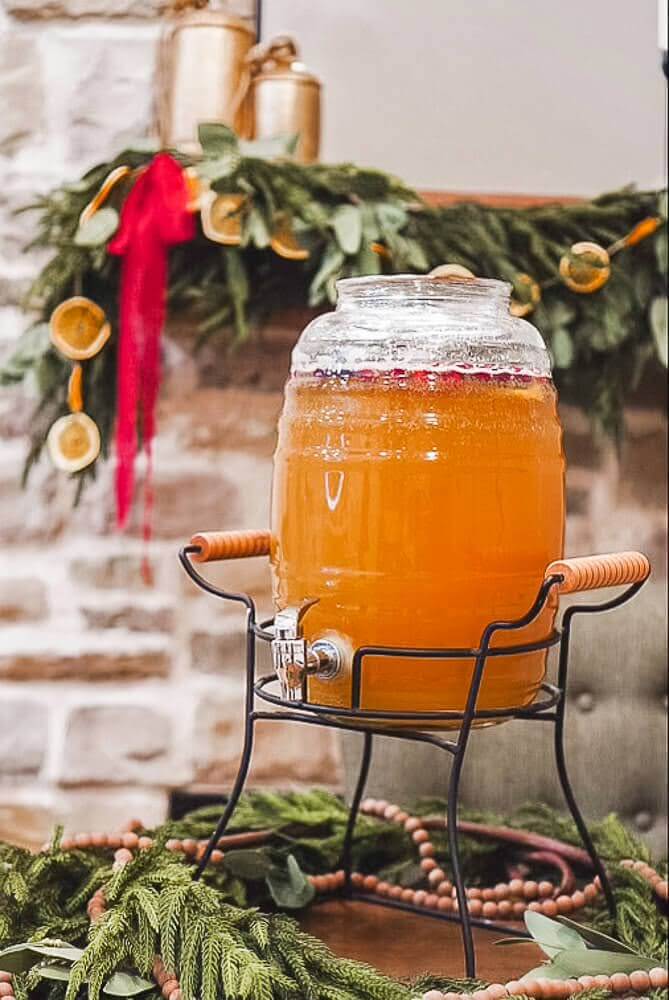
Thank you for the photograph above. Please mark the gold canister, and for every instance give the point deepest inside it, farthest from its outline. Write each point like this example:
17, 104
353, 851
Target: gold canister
284, 98
201, 63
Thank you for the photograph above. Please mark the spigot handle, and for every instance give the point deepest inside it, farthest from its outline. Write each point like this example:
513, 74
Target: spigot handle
592, 572
215, 546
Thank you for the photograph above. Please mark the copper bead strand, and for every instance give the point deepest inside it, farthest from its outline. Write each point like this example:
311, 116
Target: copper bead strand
130, 841
659, 885
559, 989
505, 901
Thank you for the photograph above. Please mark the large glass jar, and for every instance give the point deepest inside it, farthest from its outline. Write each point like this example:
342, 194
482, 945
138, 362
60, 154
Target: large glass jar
419, 487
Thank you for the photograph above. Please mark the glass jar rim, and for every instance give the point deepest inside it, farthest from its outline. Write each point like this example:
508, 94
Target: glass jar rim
422, 285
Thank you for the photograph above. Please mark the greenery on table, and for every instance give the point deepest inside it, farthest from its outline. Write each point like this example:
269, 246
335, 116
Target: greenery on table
601, 343
222, 947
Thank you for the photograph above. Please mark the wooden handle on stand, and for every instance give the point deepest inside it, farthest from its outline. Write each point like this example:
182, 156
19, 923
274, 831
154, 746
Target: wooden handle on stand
592, 572
215, 546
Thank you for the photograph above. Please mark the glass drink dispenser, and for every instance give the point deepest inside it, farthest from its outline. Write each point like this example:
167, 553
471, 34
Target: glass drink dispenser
418, 491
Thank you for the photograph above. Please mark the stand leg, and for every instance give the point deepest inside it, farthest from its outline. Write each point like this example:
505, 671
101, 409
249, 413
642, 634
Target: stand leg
576, 813
561, 763
237, 790
461, 893
365, 762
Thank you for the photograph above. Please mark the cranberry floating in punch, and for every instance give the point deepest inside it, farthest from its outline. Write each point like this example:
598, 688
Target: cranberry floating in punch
418, 488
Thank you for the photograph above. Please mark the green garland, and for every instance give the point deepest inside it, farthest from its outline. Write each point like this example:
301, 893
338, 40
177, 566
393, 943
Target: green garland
601, 343
218, 945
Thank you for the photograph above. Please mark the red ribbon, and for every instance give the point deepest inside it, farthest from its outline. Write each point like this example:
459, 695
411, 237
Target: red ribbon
154, 218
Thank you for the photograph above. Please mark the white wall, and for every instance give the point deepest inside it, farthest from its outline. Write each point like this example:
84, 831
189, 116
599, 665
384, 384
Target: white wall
490, 95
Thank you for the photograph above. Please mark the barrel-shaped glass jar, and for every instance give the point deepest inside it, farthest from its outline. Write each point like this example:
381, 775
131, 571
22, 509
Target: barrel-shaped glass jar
418, 488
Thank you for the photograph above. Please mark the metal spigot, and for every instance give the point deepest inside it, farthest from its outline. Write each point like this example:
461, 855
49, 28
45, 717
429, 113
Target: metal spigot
294, 658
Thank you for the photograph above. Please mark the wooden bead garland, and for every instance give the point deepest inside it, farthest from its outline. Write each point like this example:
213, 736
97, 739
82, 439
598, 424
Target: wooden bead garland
560, 989
659, 885
504, 901
129, 842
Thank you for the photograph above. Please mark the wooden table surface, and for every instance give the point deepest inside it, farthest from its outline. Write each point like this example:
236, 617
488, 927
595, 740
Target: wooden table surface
403, 944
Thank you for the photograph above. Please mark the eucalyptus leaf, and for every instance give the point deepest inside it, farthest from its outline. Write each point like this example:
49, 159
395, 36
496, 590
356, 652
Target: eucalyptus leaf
547, 971
371, 230
347, 224
217, 140
662, 251
48, 371
64, 952
218, 168
610, 331
99, 229
271, 148
256, 229
507, 942
658, 323
331, 265
560, 313
248, 864
415, 255
552, 937
289, 886
368, 262
18, 958
126, 984
58, 972
391, 217
21, 957
574, 962
32, 345
662, 204
562, 347
597, 938
643, 282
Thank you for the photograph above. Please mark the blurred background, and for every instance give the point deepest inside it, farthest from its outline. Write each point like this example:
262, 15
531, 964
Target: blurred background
117, 699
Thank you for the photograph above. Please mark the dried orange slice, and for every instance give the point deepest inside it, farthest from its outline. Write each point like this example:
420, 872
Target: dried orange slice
285, 244
79, 328
527, 295
585, 268
195, 187
73, 442
451, 271
221, 218
108, 185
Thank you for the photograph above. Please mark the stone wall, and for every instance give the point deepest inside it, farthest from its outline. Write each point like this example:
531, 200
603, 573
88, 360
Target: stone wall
112, 693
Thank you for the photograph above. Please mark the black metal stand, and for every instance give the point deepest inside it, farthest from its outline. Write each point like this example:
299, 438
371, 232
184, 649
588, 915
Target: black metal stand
550, 707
